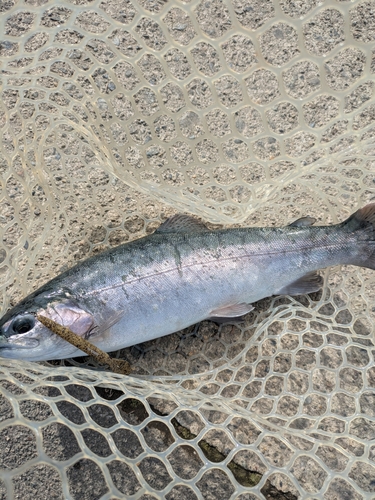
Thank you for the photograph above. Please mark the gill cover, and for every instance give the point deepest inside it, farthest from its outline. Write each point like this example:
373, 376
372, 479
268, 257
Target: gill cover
70, 315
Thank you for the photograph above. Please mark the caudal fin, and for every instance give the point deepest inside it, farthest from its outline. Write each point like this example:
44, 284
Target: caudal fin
362, 224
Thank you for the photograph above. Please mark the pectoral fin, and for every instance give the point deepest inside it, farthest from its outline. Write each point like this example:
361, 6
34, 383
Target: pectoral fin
232, 311
109, 321
312, 282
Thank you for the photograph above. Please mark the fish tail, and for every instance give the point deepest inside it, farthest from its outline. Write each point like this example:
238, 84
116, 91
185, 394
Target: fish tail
361, 224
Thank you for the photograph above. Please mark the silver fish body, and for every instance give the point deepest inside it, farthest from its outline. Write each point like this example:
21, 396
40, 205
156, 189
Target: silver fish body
178, 276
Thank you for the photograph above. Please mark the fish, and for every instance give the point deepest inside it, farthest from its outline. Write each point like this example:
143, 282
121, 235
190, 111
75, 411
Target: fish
178, 276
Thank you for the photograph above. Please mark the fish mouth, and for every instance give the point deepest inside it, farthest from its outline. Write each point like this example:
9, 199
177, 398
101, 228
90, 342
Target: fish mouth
18, 343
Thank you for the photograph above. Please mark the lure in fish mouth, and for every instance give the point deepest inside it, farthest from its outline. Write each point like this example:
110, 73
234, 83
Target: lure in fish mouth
22, 334
178, 276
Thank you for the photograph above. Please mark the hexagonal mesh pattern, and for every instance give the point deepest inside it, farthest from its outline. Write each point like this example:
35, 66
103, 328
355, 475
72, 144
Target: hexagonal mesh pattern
117, 113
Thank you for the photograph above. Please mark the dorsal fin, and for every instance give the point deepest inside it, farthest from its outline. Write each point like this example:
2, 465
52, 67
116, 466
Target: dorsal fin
303, 222
181, 223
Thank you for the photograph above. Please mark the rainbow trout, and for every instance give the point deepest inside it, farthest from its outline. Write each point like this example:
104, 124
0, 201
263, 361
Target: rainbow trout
178, 276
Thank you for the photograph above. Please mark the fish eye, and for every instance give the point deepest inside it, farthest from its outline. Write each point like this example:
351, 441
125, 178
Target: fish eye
23, 324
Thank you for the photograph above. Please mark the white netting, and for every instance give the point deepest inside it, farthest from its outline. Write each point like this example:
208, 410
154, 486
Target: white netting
115, 114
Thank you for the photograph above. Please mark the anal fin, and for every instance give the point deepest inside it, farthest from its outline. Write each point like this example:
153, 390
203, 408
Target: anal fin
222, 321
232, 311
309, 283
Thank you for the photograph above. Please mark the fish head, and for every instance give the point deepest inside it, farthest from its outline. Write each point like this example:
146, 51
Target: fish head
22, 336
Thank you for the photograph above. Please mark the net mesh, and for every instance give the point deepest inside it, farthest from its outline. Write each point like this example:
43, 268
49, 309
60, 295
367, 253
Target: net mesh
115, 114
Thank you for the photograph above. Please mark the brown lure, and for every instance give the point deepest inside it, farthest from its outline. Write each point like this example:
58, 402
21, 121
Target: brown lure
117, 365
